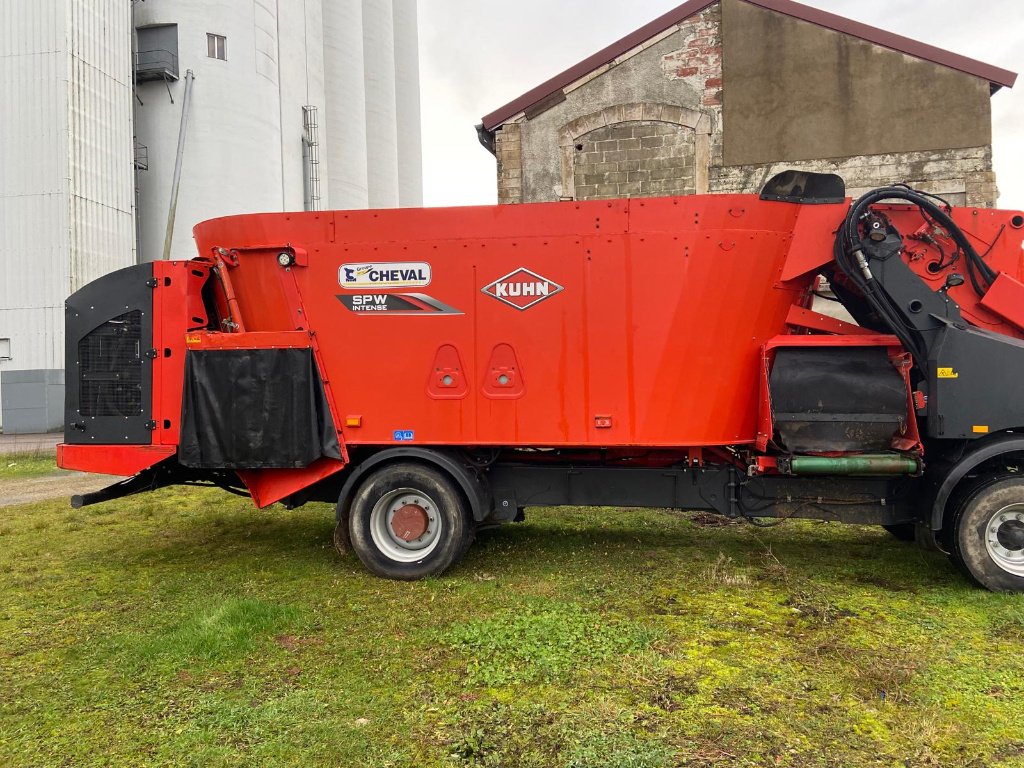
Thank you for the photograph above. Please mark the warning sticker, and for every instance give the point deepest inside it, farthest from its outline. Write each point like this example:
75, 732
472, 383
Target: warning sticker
947, 373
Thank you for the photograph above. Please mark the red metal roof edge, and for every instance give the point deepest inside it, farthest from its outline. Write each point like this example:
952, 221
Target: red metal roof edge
997, 76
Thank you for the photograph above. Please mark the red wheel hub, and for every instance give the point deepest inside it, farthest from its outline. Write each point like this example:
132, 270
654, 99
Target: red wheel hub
410, 522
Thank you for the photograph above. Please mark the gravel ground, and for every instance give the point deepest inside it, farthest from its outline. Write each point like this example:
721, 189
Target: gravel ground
25, 490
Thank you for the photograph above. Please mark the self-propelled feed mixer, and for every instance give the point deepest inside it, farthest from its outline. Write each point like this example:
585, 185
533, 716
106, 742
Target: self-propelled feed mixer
435, 371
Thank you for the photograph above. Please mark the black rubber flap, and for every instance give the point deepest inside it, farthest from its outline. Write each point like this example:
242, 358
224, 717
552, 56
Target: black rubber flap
805, 188
254, 409
837, 399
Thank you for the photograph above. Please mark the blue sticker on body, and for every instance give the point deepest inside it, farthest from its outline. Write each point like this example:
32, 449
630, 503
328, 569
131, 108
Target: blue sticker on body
403, 435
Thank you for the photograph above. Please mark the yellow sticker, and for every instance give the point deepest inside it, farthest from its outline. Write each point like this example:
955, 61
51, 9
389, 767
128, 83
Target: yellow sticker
193, 339
980, 429
948, 373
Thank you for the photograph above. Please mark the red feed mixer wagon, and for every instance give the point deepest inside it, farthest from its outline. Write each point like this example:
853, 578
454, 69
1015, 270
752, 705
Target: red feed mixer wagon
434, 371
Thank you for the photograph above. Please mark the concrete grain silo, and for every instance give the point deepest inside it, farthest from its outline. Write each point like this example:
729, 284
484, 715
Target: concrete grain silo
345, 132
407, 98
66, 212
381, 104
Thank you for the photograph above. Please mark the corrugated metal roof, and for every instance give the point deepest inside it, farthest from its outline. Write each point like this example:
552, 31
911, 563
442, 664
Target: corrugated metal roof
996, 76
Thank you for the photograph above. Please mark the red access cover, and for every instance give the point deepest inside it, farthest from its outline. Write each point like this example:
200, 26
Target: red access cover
1006, 299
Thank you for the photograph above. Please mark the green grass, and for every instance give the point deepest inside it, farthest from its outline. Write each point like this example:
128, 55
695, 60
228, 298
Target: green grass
186, 628
21, 465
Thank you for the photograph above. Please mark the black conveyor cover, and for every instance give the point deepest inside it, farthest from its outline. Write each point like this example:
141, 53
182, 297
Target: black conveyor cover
254, 409
837, 399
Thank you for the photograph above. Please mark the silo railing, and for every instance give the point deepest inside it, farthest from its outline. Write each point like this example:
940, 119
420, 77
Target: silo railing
156, 64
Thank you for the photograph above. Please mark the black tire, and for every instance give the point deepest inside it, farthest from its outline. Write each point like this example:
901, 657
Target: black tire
974, 518
421, 487
903, 531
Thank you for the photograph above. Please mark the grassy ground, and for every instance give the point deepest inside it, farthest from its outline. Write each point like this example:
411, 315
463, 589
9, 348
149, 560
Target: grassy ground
185, 628
21, 465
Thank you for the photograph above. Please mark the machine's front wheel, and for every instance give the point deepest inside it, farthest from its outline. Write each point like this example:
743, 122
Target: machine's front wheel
409, 521
988, 534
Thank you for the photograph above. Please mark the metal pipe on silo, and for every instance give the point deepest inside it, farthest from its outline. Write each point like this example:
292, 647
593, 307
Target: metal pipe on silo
344, 130
381, 108
407, 92
172, 209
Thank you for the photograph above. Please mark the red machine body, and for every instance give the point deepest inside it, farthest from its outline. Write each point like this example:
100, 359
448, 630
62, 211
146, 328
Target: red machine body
435, 371
629, 324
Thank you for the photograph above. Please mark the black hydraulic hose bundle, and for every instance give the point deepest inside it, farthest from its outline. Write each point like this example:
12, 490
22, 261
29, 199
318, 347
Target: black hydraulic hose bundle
850, 256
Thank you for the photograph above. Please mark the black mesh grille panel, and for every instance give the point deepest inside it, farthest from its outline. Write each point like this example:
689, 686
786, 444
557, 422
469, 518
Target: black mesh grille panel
108, 395
110, 368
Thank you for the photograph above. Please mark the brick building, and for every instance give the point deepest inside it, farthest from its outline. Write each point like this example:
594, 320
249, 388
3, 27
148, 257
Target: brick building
719, 95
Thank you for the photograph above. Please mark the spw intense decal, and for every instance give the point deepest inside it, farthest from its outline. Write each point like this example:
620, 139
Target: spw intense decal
398, 274
522, 288
396, 304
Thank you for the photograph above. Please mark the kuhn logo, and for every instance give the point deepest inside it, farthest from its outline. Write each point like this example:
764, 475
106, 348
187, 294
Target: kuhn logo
522, 289
400, 274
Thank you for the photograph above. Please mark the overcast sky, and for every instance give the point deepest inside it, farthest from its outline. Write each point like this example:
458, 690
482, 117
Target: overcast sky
477, 55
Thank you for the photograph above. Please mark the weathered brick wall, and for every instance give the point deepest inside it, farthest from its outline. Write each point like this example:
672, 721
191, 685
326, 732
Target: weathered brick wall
698, 63
651, 123
635, 159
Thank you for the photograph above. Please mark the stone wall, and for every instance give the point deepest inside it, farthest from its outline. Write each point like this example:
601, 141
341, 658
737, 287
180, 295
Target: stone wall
508, 150
961, 176
651, 123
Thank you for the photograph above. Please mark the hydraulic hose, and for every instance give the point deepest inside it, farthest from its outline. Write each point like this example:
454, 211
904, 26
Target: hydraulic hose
854, 263
932, 210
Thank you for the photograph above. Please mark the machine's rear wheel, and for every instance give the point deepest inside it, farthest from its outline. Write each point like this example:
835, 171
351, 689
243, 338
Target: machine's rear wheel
988, 534
409, 521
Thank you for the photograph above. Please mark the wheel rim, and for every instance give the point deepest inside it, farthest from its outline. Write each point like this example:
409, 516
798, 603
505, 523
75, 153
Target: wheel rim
1004, 538
405, 524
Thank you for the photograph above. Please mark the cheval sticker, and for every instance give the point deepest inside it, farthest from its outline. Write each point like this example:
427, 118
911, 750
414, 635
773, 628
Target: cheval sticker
522, 288
398, 274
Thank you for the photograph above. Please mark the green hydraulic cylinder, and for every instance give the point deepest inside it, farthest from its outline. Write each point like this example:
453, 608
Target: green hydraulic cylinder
878, 464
